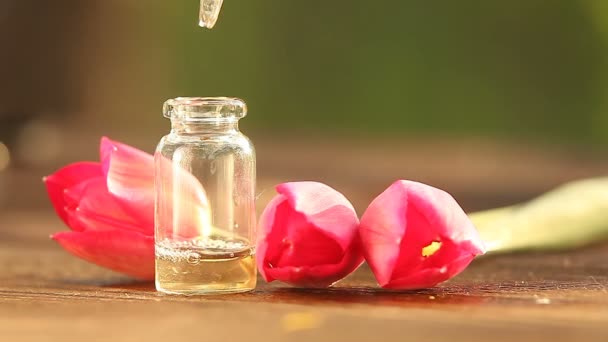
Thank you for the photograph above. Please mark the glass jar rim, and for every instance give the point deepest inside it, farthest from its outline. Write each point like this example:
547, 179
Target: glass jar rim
204, 108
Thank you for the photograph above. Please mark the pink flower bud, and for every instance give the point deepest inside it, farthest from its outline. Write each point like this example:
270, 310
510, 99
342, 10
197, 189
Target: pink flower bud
307, 236
416, 236
109, 207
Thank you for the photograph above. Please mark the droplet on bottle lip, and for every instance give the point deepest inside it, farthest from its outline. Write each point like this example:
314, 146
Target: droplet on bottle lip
209, 12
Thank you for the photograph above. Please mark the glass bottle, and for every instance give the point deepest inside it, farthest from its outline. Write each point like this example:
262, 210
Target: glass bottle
205, 199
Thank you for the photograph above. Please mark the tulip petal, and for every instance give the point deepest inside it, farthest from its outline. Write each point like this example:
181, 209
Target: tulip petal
123, 251
325, 208
265, 239
382, 227
130, 177
98, 200
301, 245
443, 212
307, 236
322, 275
92, 207
183, 210
81, 220
110, 207
67, 177
402, 222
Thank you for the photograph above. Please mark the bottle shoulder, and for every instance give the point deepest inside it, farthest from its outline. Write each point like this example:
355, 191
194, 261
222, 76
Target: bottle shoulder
235, 141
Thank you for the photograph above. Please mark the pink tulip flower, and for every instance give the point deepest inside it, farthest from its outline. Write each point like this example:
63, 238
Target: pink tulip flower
307, 236
109, 207
416, 236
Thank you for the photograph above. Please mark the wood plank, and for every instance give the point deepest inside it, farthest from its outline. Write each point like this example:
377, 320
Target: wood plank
47, 294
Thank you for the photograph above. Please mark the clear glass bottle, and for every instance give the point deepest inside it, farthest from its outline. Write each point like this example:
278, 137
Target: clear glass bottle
205, 199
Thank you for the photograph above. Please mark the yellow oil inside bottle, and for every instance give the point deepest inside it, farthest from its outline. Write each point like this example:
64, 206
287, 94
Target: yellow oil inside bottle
209, 266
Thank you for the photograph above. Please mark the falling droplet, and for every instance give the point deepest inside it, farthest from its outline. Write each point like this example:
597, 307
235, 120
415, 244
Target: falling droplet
210, 10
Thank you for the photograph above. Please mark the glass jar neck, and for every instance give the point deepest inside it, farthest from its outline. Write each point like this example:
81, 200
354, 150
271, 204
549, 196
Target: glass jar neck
191, 116
205, 127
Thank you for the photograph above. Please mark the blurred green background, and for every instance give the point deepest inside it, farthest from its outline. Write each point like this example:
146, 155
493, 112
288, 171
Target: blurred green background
526, 68
508, 77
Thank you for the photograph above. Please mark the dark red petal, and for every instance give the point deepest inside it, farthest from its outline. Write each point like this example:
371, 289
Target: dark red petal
123, 251
67, 177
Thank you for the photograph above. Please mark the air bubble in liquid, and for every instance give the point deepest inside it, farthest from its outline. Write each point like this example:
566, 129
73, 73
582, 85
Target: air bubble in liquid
209, 12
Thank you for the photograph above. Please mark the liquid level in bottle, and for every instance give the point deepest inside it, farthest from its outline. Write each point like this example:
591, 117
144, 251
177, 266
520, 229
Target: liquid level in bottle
205, 267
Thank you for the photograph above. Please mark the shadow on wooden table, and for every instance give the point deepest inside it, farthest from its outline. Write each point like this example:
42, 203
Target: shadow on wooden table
566, 278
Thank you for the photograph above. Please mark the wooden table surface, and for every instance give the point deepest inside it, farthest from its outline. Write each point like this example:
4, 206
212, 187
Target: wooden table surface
46, 294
